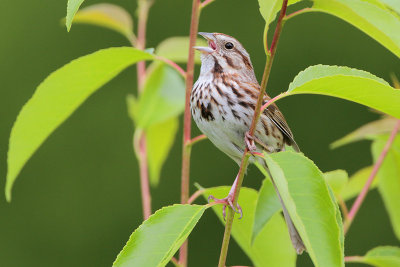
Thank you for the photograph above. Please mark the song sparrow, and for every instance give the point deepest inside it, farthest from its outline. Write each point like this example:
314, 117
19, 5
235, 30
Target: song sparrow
222, 103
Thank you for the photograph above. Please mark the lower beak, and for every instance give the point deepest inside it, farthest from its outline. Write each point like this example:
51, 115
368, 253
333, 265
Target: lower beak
204, 49
210, 38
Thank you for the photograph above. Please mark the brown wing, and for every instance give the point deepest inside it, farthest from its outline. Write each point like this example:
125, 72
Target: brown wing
277, 118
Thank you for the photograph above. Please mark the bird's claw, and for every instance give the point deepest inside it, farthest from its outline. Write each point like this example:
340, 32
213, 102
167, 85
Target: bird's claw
249, 140
228, 201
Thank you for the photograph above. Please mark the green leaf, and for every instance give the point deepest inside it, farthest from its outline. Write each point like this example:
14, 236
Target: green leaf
367, 131
384, 256
58, 96
267, 205
272, 246
72, 8
160, 138
389, 179
177, 49
311, 206
269, 10
160, 236
337, 180
108, 16
357, 182
372, 17
163, 96
350, 84
393, 5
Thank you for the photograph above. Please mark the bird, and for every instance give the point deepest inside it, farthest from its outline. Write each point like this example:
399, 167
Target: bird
222, 103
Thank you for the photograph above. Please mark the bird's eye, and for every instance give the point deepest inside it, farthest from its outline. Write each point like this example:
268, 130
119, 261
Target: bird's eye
229, 45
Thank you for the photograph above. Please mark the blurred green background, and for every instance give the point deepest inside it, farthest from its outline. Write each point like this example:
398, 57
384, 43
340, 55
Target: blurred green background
78, 199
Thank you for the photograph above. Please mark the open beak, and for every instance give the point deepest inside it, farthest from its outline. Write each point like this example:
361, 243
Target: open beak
211, 43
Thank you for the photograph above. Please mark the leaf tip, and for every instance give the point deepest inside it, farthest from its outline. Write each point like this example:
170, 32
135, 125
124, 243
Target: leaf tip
8, 189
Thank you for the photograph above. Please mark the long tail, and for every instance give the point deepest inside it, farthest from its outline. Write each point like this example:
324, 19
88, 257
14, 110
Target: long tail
294, 234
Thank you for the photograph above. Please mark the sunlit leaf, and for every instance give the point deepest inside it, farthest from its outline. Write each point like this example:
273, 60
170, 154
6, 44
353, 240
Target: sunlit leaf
108, 16
163, 96
350, 84
393, 5
385, 256
177, 49
272, 246
372, 17
367, 131
269, 10
311, 206
389, 179
159, 237
58, 96
160, 137
357, 182
72, 8
337, 180
267, 205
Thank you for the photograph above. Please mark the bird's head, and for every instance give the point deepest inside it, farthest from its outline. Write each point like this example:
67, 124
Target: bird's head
224, 53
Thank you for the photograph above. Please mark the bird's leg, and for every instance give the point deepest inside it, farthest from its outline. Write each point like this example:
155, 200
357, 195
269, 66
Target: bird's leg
249, 140
229, 200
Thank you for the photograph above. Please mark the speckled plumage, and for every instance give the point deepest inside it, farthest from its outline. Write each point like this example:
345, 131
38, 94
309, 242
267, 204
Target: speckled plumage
222, 103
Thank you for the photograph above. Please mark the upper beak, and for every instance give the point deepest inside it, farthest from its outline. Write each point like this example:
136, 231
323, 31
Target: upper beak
211, 43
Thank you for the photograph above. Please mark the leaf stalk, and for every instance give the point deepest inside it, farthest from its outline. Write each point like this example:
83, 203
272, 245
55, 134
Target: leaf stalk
141, 146
361, 197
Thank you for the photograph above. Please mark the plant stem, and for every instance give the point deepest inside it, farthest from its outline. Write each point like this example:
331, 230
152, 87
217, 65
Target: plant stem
197, 139
257, 111
143, 12
353, 258
173, 64
175, 262
144, 6
343, 207
144, 177
298, 12
360, 198
186, 149
206, 3
195, 195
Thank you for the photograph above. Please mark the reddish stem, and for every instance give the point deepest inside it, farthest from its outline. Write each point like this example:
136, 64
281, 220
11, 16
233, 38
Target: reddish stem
186, 149
197, 139
172, 64
144, 178
298, 12
357, 204
353, 258
272, 100
195, 195
206, 3
144, 6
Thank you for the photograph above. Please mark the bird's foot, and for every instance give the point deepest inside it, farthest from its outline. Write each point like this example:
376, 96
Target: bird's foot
249, 140
228, 201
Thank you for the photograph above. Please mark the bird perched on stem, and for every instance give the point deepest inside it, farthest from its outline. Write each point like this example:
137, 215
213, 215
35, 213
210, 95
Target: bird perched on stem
222, 103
